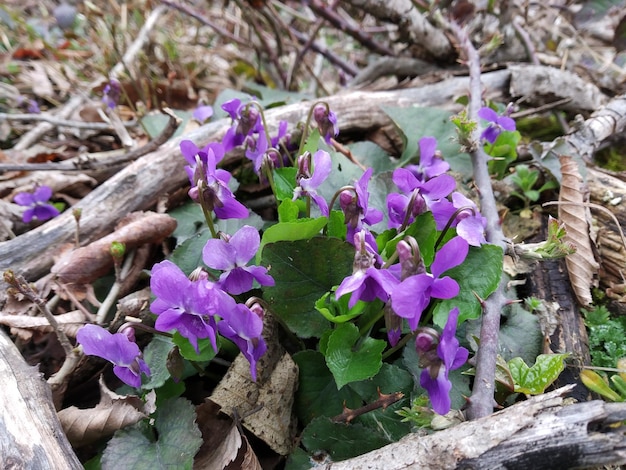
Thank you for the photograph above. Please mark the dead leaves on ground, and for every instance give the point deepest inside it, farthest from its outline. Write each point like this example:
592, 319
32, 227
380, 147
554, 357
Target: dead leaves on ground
581, 265
84, 426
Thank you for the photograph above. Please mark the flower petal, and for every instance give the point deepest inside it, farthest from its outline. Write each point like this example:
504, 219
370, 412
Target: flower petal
450, 255
246, 242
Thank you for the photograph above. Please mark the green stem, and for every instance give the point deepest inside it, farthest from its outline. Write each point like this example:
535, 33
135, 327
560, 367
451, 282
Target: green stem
209, 220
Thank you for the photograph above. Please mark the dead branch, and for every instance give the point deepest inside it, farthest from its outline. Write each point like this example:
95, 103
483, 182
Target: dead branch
542, 432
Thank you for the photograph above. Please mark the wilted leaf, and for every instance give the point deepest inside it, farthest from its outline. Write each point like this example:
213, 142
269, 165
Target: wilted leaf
114, 412
267, 403
88, 263
224, 444
273, 421
581, 265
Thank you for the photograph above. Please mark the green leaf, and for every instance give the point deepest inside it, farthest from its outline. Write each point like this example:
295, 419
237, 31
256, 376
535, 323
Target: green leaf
520, 334
301, 229
336, 225
288, 211
284, 182
350, 357
154, 124
415, 123
337, 311
341, 441
176, 441
190, 221
188, 351
390, 379
424, 230
155, 355
304, 271
504, 151
479, 275
188, 255
534, 380
594, 382
371, 155
317, 393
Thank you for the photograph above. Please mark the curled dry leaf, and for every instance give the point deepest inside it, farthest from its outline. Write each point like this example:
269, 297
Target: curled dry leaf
581, 265
224, 445
90, 262
84, 426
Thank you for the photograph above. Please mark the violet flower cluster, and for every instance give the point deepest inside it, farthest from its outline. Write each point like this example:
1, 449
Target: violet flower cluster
199, 308
409, 287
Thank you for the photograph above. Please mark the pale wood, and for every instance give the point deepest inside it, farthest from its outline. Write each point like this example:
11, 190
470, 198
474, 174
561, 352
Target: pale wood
540, 433
30, 433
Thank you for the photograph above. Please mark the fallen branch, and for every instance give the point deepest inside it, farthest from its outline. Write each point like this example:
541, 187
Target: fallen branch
539, 433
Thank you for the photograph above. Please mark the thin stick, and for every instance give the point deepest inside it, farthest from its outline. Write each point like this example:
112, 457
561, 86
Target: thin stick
59, 122
82, 164
482, 400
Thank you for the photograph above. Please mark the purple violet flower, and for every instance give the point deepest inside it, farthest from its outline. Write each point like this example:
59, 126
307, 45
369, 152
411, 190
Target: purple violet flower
309, 180
326, 122
37, 203
111, 93
243, 326
411, 296
470, 224
246, 121
232, 256
203, 113
256, 149
434, 378
430, 191
185, 305
497, 124
367, 282
355, 207
209, 184
116, 348
430, 164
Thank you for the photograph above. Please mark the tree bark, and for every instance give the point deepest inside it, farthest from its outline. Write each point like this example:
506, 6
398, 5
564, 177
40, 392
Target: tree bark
30, 433
540, 433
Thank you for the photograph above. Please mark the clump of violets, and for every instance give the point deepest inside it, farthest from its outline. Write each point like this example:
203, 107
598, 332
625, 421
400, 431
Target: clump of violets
439, 354
198, 308
37, 203
118, 348
496, 125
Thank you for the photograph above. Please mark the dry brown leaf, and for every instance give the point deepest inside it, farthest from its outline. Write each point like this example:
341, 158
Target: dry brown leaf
84, 426
88, 263
224, 445
269, 405
581, 265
